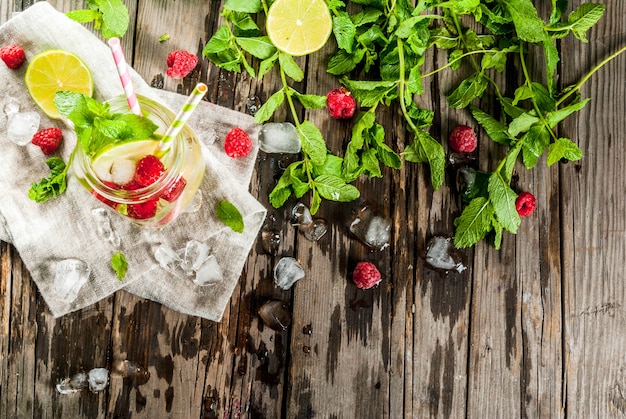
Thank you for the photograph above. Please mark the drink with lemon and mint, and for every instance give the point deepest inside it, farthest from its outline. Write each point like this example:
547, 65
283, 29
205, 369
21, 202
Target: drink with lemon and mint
125, 166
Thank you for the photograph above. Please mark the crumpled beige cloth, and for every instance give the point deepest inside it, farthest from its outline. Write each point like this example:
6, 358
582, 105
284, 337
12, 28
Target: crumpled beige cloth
64, 227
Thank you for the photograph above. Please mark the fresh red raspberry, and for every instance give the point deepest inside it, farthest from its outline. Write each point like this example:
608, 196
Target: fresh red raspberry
340, 103
237, 143
149, 169
12, 55
143, 210
525, 204
48, 139
180, 63
104, 200
175, 190
463, 139
366, 275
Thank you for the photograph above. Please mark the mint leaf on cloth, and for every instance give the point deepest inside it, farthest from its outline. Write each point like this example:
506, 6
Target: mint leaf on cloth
230, 215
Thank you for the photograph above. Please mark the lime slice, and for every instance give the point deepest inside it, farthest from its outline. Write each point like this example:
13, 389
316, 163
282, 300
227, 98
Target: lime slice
299, 27
55, 70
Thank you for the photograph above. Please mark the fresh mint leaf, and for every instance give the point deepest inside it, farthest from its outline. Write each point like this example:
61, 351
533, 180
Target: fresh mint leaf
335, 188
115, 18
313, 144
344, 31
528, 24
119, 264
474, 223
230, 215
309, 101
344, 62
53, 185
584, 18
370, 163
425, 149
332, 166
495, 129
266, 65
555, 117
261, 47
522, 124
282, 191
534, 143
469, 89
247, 6
502, 199
290, 67
266, 110
83, 16
563, 148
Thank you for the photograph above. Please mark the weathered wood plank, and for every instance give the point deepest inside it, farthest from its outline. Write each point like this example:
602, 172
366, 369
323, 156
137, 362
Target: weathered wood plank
594, 228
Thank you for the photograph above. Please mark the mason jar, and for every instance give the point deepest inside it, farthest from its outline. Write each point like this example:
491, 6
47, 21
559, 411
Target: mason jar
110, 177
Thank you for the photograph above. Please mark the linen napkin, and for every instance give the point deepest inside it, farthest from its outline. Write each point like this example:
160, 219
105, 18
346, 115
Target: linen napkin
64, 227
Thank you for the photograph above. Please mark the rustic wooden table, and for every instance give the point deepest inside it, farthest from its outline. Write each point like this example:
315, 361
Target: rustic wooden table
533, 330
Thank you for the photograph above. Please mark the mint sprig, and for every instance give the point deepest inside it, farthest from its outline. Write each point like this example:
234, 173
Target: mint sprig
108, 16
228, 213
119, 264
53, 185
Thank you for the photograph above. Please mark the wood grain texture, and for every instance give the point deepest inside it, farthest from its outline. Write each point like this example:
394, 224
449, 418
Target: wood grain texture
533, 330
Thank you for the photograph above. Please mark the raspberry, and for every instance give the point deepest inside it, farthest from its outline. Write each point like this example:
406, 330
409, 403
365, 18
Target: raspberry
525, 204
143, 210
48, 139
175, 190
237, 143
463, 139
149, 170
104, 200
180, 63
12, 55
340, 103
366, 275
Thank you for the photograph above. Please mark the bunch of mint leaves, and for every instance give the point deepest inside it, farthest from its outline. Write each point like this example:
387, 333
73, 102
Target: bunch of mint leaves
110, 17
381, 48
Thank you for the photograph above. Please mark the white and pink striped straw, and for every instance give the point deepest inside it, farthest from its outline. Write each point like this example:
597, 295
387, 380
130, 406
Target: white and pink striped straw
122, 69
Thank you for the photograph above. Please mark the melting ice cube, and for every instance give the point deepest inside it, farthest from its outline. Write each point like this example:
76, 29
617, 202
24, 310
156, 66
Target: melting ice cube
71, 275
98, 379
287, 272
279, 137
195, 255
315, 230
275, 315
131, 370
167, 257
209, 272
74, 384
103, 224
438, 255
301, 215
11, 106
21, 127
372, 229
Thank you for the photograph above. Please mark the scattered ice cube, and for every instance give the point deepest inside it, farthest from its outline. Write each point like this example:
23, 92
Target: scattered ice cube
195, 254
123, 171
275, 315
131, 370
253, 103
287, 272
167, 257
372, 229
209, 272
195, 203
74, 384
21, 127
98, 379
315, 230
467, 178
71, 275
270, 236
301, 215
279, 137
438, 255
105, 230
11, 106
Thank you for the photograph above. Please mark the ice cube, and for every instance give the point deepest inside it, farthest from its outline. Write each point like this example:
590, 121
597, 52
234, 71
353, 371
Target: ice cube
438, 255
209, 272
74, 384
287, 272
167, 257
131, 370
315, 230
279, 137
71, 275
123, 171
195, 204
11, 106
207, 136
98, 379
195, 255
275, 314
105, 230
301, 215
270, 236
21, 127
253, 103
372, 229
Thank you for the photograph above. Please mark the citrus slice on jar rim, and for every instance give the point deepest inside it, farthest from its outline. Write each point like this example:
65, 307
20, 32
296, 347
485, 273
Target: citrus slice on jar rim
299, 27
53, 71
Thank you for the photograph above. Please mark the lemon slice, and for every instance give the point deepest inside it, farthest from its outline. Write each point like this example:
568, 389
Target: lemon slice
299, 27
55, 70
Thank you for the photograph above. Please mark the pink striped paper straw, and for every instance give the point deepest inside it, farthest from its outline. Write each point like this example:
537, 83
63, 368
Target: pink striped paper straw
122, 69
